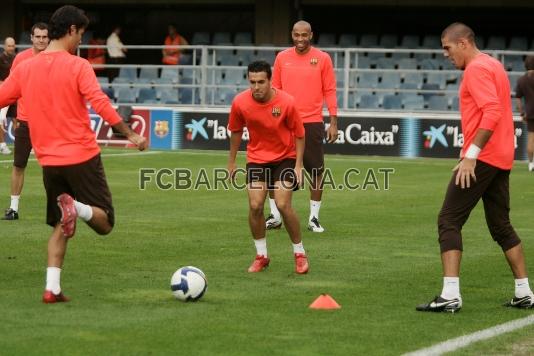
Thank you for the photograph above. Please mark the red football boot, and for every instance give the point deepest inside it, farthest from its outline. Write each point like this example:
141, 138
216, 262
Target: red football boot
259, 264
49, 297
301, 263
68, 214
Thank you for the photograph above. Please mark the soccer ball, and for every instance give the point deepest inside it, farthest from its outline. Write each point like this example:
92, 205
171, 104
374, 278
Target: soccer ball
188, 284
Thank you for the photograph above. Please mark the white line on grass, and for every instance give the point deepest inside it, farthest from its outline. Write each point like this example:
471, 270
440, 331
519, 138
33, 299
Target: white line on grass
103, 155
466, 340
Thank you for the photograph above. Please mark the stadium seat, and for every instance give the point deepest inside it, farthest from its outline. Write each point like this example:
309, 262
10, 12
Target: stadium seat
149, 73
513, 80
410, 41
169, 96
243, 38
430, 89
415, 78
438, 78
454, 103
327, 40
104, 81
431, 42
186, 96
234, 77
126, 95
390, 80
429, 63
388, 41
169, 73
225, 96
385, 63
413, 102
496, 42
369, 101
347, 40
392, 102
228, 60
438, 103
128, 72
362, 62
147, 96
407, 63
220, 38
267, 55
244, 56
369, 41
368, 80
518, 43
189, 76
201, 38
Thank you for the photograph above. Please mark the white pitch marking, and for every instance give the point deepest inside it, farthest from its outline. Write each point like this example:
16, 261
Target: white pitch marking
466, 340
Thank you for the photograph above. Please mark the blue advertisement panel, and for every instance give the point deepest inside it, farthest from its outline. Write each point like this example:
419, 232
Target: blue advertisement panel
161, 129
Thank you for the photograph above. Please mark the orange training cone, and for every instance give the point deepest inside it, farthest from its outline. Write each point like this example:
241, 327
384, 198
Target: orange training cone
324, 301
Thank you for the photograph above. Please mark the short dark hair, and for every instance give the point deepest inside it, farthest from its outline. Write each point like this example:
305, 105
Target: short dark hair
459, 30
529, 63
260, 66
40, 26
63, 18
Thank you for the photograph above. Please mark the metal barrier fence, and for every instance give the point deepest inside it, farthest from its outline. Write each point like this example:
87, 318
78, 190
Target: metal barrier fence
367, 78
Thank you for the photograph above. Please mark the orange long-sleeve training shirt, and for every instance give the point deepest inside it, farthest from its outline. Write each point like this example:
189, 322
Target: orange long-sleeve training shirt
22, 56
55, 87
485, 103
310, 79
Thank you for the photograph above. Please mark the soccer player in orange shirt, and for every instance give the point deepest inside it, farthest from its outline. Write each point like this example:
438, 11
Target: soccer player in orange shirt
487, 157
274, 157
307, 74
23, 143
55, 86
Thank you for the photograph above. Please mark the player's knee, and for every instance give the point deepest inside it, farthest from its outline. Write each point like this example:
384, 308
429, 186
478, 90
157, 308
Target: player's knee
256, 209
104, 230
505, 236
283, 206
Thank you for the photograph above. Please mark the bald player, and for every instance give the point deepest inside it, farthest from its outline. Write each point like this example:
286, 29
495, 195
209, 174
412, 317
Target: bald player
307, 74
6, 60
483, 173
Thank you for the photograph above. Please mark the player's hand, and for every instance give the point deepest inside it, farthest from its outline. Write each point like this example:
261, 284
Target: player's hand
331, 133
139, 141
231, 170
299, 175
465, 171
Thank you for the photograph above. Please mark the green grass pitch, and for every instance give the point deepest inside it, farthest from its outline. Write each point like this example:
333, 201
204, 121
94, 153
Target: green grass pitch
378, 258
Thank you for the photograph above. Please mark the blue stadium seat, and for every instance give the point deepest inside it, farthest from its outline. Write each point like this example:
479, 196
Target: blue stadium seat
149, 73
431, 42
267, 55
327, 40
496, 42
186, 96
147, 96
438, 102
201, 38
455, 103
361, 62
518, 43
392, 102
385, 63
126, 95
228, 60
369, 40
390, 80
388, 41
369, 101
413, 102
244, 56
234, 77
169, 96
128, 72
415, 78
170, 73
347, 40
438, 78
368, 80
410, 41
243, 38
431, 89
104, 81
220, 38
428, 63
407, 63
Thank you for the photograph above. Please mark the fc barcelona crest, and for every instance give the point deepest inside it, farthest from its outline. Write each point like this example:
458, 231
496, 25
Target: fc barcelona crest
161, 128
314, 61
276, 111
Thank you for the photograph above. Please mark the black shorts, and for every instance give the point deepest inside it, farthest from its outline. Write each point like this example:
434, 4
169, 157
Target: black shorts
85, 182
23, 144
314, 151
530, 125
273, 172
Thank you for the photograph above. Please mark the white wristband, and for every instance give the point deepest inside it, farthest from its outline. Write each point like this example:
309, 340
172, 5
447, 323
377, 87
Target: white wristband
473, 151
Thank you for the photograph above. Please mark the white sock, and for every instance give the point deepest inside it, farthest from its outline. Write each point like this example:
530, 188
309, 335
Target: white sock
314, 209
298, 248
85, 212
2, 144
274, 209
52, 279
15, 202
261, 247
451, 288
522, 288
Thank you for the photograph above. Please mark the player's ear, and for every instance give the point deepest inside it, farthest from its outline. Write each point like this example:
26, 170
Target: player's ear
72, 29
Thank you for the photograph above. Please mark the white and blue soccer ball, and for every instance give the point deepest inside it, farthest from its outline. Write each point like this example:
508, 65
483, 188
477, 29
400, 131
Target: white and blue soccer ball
188, 284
